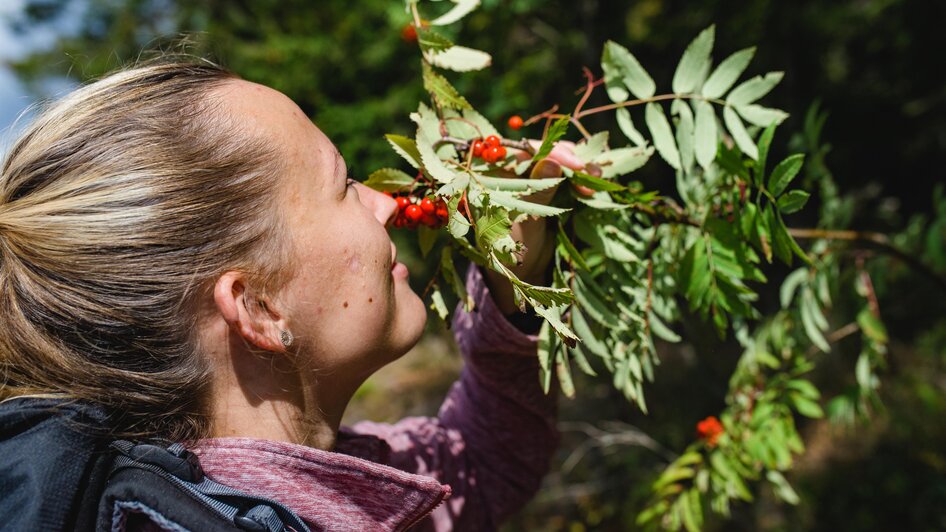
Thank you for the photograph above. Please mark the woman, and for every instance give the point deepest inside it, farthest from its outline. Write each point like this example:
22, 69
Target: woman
182, 249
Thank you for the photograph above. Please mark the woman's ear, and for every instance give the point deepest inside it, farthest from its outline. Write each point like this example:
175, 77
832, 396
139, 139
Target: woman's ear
253, 319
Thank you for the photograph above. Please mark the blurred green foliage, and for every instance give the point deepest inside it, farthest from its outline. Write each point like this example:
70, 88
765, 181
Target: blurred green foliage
873, 64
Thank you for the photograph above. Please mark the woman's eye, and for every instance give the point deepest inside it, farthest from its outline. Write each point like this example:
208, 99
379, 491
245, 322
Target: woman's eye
350, 182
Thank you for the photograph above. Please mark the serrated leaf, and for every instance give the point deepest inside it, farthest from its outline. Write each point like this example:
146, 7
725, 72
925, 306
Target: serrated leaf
761, 116
406, 148
784, 172
433, 164
727, 73
752, 89
793, 201
622, 161
739, 133
695, 61
588, 149
579, 356
663, 137
564, 372
432, 40
482, 124
627, 127
556, 132
460, 59
516, 205
442, 91
544, 351
706, 137
553, 315
527, 186
460, 10
619, 59
685, 133
602, 202
457, 224
588, 339
389, 180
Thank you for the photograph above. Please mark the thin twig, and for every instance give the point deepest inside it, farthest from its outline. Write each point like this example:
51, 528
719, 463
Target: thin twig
878, 241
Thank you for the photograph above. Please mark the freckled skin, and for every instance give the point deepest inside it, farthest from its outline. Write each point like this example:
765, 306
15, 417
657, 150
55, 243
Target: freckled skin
340, 243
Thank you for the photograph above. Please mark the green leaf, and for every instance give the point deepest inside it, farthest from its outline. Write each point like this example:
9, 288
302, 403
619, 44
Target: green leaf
460, 59
753, 89
779, 236
727, 73
426, 238
793, 201
457, 224
663, 137
389, 180
557, 131
587, 150
484, 127
432, 40
442, 91
806, 388
456, 282
706, 137
588, 338
811, 328
783, 489
437, 303
660, 329
602, 201
596, 183
806, 406
553, 315
545, 350
790, 286
622, 65
685, 134
563, 370
433, 164
406, 148
761, 116
863, 372
695, 63
622, 161
872, 327
529, 186
579, 356
460, 10
783, 174
739, 133
627, 127
569, 249
765, 142
516, 205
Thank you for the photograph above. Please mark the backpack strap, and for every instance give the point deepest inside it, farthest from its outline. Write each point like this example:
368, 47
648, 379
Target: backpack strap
138, 484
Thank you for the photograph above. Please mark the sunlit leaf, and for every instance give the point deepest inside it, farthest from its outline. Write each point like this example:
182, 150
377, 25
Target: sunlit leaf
739, 133
695, 63
727, 73
663, 137
751, 90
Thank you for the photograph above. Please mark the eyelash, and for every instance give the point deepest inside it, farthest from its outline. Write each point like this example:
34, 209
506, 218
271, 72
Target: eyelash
350, 181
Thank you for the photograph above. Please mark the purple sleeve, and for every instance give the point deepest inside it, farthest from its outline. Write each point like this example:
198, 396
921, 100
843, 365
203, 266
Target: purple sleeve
495, 434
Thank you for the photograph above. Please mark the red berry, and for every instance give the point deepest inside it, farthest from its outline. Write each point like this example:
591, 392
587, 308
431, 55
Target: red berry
413, 213
515, 121
409, 33
502, 152
402, 203
441, 212
491, 141
710, 429
430, 219
427, 206
399, 221
478, 148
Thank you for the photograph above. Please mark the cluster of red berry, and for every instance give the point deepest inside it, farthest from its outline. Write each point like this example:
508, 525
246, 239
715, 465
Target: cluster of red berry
710, 429
413, 211
489, 149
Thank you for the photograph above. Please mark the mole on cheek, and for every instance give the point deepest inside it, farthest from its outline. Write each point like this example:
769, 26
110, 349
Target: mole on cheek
345, 304
370, 300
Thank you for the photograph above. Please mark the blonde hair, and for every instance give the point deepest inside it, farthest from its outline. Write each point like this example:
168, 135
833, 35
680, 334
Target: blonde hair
119, 206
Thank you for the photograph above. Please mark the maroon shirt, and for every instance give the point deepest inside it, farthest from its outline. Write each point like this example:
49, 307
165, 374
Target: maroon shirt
481, 459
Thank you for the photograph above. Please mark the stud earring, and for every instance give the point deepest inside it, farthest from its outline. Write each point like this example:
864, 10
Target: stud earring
286, 338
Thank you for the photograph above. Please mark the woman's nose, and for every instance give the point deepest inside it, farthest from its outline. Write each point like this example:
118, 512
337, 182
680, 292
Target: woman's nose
383, 205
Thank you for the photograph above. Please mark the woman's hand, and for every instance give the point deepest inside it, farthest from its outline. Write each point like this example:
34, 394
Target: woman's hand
534, 232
